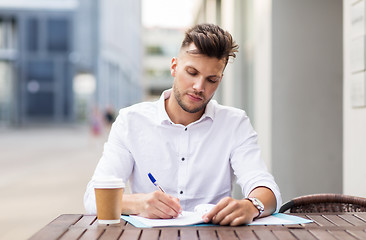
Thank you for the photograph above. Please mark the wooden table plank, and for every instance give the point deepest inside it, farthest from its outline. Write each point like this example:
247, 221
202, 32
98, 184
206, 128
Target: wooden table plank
322, 234
188, 234
111, 233
49, 233
57, 227
92, 233
66, 219
150, 234
265, 234
302, 234
283, 234
226, 234
341, 235
95, 223
131, 234
354, 220
337, 220
204, 234
359, 234
85, 221
246, 234
73, 233
329, 226
361, 215
168, 233
320, 220
129, 226
311, 224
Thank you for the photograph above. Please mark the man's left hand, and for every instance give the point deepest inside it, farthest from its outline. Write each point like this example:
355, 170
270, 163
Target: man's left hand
232, 212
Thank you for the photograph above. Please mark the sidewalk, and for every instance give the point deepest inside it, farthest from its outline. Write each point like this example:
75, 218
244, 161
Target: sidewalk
43, 173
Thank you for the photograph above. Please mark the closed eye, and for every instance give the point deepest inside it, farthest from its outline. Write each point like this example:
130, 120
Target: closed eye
192, 73
213, 80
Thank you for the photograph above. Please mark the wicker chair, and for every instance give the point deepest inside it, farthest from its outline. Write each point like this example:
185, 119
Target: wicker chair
318, 203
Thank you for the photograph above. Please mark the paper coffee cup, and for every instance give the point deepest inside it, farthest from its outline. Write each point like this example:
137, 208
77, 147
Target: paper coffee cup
108, 196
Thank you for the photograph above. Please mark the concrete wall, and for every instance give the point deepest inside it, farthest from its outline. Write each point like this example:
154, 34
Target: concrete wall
354, 122
307, 96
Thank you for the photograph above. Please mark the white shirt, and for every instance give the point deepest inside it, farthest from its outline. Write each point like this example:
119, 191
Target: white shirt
195, 163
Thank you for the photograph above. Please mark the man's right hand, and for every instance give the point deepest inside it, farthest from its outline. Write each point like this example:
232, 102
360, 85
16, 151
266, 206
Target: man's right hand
151, 205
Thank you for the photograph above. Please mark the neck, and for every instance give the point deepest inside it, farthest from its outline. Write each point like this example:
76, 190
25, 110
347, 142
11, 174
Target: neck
178, 115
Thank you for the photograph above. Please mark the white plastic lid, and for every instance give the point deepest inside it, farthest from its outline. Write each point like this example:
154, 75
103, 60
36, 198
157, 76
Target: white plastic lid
109, 183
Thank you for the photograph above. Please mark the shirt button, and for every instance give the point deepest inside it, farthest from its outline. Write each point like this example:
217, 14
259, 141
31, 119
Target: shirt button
183, 159
185, 129
181, 192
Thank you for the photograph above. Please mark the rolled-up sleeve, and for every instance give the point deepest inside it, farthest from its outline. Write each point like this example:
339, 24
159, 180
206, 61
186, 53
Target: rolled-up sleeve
116, 160
247, 164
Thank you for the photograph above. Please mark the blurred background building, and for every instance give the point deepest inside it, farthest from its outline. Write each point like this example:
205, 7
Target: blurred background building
58, 59
36, 72
160, 46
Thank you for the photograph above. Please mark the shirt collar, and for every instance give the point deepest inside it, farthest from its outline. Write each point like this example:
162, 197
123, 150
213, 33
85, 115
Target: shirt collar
163, 115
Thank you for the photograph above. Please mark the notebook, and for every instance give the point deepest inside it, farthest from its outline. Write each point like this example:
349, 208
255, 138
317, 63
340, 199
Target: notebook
188, 218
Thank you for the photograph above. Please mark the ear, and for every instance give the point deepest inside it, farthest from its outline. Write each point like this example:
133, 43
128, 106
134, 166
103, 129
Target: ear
173, 66
221, 77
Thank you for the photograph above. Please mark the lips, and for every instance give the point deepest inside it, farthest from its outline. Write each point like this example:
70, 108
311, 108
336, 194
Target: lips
194, 97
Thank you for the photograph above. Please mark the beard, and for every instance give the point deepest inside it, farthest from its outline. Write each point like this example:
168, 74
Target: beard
185, 107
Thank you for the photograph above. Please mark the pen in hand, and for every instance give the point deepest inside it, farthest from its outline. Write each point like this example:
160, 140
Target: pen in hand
153, 180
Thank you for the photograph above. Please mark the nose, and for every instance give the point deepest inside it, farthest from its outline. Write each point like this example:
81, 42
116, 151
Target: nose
199, 84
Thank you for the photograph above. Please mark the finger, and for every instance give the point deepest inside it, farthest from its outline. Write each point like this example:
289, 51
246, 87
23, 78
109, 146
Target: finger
223, 217
228, 219
165, 212
172, 203
168, 204
148, 215
228, 213
240, 221
234, 218
161, 210
212, 215
157, 206
152, 210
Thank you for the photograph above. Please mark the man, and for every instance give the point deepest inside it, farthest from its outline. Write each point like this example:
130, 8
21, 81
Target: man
192, 145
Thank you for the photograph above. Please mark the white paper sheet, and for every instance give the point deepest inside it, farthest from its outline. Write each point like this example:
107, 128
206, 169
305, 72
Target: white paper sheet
193, 218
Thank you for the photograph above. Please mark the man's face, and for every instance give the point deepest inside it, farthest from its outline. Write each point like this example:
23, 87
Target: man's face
196, 78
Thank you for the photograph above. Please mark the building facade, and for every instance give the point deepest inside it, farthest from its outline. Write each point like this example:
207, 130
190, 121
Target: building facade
36, 71
160, 46
60, 58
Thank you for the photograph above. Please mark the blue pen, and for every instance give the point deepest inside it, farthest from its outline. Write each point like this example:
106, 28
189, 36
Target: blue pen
153, 180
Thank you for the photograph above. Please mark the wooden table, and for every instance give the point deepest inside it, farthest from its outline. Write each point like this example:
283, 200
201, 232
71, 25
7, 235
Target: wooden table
340, 226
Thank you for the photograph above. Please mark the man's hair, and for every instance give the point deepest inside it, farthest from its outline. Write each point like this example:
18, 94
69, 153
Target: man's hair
211, 40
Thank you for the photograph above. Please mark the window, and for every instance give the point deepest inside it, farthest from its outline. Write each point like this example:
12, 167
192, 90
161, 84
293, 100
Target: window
32, 33
57, 35
41, 71
154, 50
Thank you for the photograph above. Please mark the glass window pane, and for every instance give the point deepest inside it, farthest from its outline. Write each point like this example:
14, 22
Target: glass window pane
41, 71
32, 33
57, 35
40, 104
